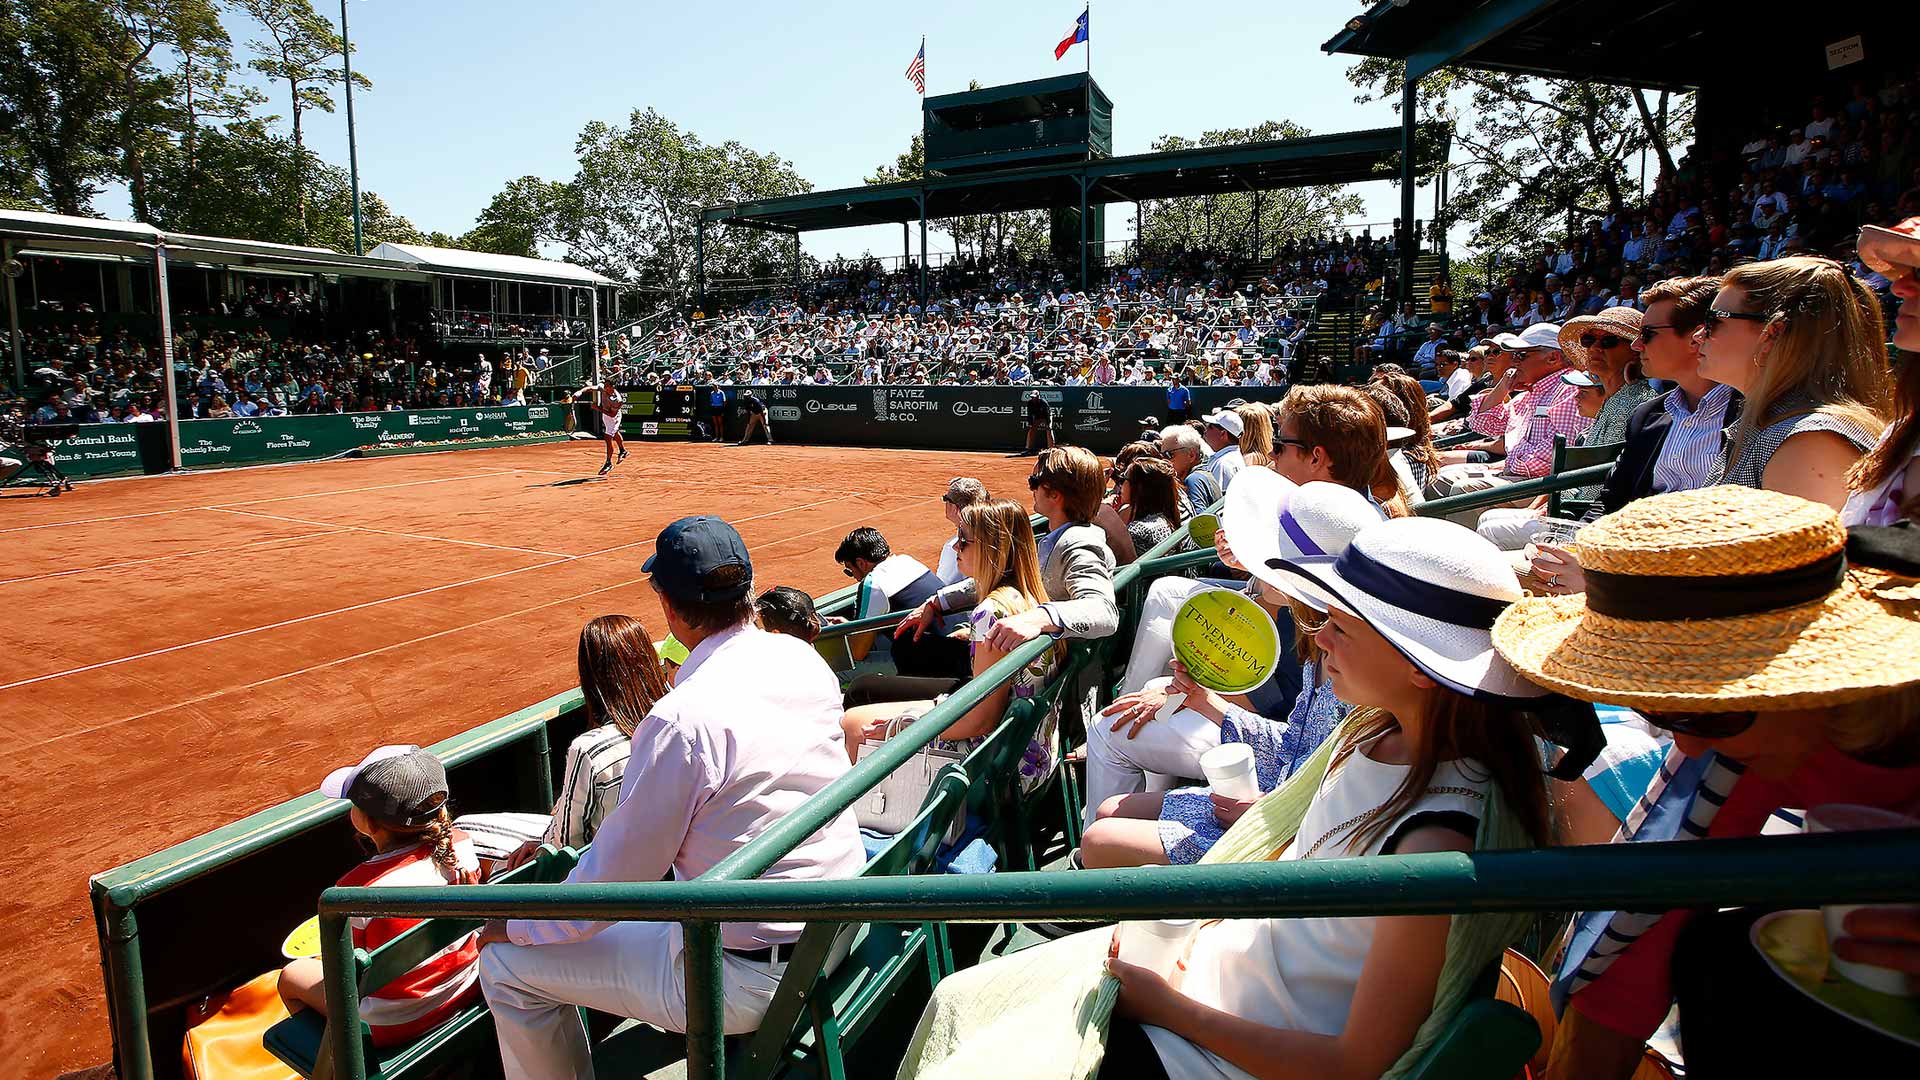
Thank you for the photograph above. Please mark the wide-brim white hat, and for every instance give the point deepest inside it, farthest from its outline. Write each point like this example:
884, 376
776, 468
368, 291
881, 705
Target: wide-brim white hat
1431, 588
1269, 517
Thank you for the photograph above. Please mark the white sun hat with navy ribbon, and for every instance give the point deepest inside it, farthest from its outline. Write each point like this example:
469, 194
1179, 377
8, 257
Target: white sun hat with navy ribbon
1432, 588
1269, 517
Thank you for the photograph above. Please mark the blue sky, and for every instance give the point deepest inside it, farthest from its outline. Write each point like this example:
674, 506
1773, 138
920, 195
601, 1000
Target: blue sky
469, 94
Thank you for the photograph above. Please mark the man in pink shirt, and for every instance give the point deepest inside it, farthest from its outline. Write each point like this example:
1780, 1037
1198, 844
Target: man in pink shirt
749, 733
1521, 428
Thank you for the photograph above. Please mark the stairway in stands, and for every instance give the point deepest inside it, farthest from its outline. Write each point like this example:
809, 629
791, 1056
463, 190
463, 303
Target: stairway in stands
1427, 265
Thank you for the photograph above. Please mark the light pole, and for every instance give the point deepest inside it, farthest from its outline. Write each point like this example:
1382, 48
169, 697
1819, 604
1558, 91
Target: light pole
353, 152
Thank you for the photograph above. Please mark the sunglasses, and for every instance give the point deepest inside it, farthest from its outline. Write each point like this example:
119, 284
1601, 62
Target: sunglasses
1716, 316
1649, 331
849, 571
1604, 341
1721, 725
1281, 440
1034, 481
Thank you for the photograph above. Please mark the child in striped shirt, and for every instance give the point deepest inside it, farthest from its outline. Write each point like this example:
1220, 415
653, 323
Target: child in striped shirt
399, 797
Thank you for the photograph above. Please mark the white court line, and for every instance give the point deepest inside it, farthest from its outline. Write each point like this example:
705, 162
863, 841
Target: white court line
175, 555
375, 603
249, 502
13, 751
388, 532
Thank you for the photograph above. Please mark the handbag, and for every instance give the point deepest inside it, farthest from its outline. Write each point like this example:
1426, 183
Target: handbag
892, 804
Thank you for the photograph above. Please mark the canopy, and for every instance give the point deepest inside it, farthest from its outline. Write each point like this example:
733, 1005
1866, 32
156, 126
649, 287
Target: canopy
454, 262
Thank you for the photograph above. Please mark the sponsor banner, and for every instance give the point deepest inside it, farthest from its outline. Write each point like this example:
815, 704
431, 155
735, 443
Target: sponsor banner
1102, 418
102, 449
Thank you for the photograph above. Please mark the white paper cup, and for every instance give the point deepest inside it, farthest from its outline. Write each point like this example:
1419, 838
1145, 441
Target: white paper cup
1230, 773
1156, 944
1845, 817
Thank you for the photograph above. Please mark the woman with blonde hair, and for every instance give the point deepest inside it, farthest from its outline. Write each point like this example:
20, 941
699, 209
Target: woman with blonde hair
1802, 340
1256, 433
998, 552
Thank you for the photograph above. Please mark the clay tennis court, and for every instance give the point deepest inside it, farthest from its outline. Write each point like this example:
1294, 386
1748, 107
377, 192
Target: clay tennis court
185, 650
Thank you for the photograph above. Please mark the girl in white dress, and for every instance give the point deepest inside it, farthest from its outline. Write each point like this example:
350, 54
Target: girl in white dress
1440, 755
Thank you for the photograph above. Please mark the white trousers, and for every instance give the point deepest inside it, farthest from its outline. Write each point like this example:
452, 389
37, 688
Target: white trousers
629, 969
1462, 479
1510, 527
1164, 750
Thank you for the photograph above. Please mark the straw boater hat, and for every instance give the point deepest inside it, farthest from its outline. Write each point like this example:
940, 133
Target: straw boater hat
1725, 599
1883, 249
1620, 321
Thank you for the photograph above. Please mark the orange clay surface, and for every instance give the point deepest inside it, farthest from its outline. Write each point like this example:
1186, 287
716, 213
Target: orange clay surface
182, 651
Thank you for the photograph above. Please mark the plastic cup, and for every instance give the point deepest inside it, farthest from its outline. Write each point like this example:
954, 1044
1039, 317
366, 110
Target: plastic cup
1156, 944
1846, 817
1229, 771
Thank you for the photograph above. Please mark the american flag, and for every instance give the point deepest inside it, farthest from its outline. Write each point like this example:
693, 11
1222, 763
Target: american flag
917, 71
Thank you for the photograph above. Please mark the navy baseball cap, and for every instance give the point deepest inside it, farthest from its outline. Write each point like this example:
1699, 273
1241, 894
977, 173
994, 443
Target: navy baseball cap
690, 549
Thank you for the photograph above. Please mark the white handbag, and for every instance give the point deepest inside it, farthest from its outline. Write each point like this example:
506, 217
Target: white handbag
892, 804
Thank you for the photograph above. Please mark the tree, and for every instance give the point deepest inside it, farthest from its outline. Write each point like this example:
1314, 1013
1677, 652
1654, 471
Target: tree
245, 184
1538, 151
299, 51
524, 215
632, 209
60, 94
1227, 222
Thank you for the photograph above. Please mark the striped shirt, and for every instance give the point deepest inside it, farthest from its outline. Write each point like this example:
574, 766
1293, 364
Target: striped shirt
438, 986
1693, 447
596, 766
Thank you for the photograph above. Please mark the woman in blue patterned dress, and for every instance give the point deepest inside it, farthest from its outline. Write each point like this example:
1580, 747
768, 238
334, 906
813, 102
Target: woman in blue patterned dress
1271, 519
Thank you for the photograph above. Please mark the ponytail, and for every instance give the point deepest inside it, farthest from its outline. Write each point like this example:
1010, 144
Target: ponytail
439, 832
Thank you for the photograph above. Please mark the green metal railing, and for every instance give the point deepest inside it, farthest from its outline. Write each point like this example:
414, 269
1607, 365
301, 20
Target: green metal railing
702, 949
1773, 871
1514, 492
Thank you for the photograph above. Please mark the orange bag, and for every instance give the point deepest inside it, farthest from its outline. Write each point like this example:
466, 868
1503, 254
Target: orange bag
225, 1032
1525, 985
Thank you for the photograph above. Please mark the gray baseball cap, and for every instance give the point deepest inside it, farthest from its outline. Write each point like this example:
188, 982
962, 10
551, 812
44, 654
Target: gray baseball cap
395, 785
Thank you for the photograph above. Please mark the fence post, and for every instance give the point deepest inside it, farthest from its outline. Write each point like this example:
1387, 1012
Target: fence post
343, 997
706, 1001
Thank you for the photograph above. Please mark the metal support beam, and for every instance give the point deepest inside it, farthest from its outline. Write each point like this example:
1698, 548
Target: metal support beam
799, 268
593, 328
1083, 232
13, 322
1409, 130
700, 264
167, 378
923, 249
906, 247
1256, 225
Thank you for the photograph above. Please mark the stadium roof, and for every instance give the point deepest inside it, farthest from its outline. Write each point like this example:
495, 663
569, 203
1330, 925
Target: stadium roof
1344, 158
1661, 44
454, 262
62, 234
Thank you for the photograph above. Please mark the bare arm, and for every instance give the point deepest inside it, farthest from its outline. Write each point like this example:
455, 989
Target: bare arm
1812, 465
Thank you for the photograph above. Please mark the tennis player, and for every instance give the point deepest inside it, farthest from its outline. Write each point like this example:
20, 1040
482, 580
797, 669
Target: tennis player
608, 402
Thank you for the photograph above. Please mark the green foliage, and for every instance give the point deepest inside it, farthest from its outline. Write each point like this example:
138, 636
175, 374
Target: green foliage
1227, 221
1536, 151
62, 89
632, 209
301, 51
246, 181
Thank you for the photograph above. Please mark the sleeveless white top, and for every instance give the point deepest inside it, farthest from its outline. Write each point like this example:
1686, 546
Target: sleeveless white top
1301, 974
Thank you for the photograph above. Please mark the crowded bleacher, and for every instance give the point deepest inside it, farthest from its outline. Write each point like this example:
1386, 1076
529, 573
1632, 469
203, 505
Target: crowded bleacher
1216, 319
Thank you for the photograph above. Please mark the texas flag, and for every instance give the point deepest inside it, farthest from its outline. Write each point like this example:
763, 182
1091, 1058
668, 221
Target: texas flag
1079, 35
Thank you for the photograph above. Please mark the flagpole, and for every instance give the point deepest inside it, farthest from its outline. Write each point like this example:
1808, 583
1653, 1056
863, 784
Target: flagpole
1089, 37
